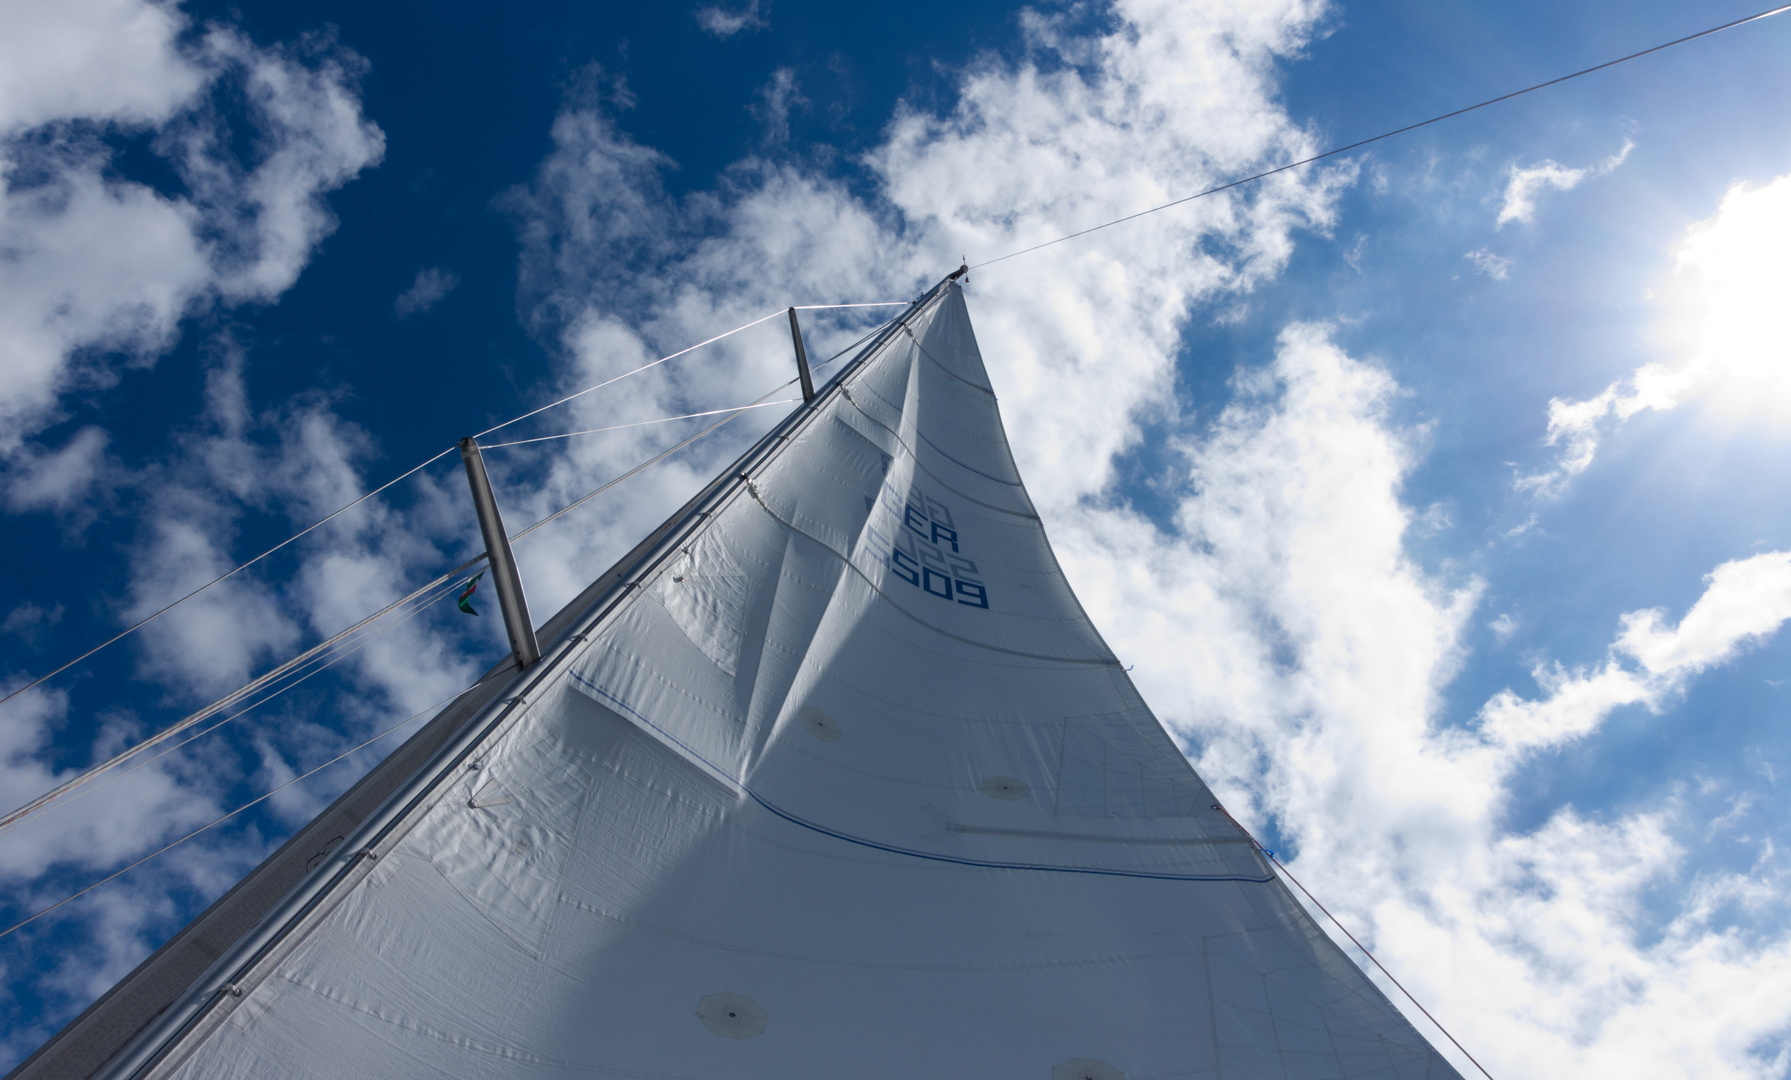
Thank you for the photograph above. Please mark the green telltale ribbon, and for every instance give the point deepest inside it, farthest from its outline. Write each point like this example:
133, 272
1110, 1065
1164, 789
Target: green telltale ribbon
471, 587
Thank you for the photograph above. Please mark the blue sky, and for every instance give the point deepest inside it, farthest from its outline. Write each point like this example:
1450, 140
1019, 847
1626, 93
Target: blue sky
1437, 494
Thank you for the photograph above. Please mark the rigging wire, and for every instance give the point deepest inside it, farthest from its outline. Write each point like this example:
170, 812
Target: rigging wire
1408, 994
299, 661
624, 375
341, 654
227, 574
662, 455
218, 821
134, 627
673, 356
237, 695
255, 685
654, 460
641, 423
1388, 135
987, 262
246, 690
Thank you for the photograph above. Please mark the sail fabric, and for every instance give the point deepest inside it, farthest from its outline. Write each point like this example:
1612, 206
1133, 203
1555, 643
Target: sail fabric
849, 787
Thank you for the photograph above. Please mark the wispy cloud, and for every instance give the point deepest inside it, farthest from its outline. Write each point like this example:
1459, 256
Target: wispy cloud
1746, 600
1493, 266
775, 100
432, 283
1578, 426
1525, 183
725, 22
62, 480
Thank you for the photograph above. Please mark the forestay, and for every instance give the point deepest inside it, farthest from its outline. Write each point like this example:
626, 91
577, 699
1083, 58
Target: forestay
846, 785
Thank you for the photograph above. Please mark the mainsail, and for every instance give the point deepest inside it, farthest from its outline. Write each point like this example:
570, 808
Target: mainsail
831, 777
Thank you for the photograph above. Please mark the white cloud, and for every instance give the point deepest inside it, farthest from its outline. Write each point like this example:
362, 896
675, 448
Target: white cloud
100, 265
1524, 184
1497, 267
776, 98
1738, 265
1578, 426
1174, 99
314, 140
62, 479
110, 824
432, 283
725, 23
219, 639
1740, 261
296, 464
1280, 627
101, 269
1747, 600
110, 60
1287, 636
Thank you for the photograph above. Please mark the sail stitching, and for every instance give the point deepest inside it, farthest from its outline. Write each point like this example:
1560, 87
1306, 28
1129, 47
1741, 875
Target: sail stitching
903, 443
1042, 834
972, 468
991, 864
989, 390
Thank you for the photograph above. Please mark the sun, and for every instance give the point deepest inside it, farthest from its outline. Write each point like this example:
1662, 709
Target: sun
1739, 263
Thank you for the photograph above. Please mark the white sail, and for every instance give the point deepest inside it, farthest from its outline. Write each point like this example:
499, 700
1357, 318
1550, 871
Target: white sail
843, 782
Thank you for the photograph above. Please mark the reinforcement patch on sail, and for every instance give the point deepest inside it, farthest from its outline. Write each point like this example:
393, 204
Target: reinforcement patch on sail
847, 785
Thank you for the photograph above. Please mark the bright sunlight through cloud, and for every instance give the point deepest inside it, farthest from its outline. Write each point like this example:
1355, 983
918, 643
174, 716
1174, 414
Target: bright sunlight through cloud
1742, 259
1734, 277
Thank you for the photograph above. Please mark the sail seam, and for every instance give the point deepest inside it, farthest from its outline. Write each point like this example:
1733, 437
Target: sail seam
994, 864
940, 450
464, 1042
989, 390
917, 462
693, 754
1041, 834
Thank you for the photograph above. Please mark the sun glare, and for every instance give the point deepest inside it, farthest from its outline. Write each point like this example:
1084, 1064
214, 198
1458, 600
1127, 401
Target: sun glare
1740, 263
